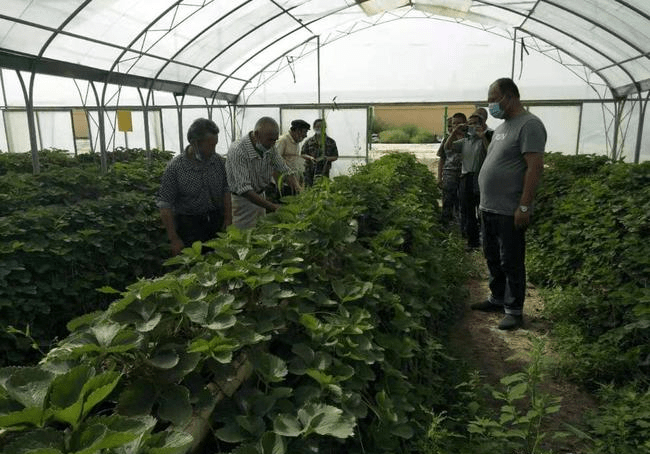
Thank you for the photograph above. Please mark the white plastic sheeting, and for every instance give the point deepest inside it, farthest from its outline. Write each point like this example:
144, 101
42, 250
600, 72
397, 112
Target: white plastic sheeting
207, 55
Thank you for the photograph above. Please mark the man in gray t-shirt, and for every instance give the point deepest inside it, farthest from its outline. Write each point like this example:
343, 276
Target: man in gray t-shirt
508, 180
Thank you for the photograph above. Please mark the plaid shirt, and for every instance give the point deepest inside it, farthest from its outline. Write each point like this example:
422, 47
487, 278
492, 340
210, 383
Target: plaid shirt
193, 187
247, 171
313, 148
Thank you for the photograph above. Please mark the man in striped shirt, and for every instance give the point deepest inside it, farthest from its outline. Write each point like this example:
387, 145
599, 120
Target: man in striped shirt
251, 165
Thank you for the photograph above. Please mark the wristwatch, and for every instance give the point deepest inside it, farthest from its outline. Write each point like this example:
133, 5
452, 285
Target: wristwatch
523, 208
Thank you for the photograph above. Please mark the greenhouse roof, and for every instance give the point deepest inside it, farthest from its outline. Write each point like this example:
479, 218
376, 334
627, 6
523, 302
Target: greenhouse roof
214, 49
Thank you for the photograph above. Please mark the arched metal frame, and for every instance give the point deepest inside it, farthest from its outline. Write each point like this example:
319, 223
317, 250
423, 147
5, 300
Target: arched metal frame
35, 64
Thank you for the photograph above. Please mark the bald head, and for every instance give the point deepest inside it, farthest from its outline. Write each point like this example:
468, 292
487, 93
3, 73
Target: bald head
266, 132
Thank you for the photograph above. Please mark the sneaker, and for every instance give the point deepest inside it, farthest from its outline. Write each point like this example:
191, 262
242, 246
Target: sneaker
511, 322
486, 306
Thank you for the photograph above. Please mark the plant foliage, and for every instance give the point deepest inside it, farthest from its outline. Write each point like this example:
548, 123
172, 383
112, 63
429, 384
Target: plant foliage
335, 301
68, 231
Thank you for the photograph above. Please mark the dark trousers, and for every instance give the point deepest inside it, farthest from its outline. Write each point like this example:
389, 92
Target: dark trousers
199, 227
504, 247
469, 216
450, 202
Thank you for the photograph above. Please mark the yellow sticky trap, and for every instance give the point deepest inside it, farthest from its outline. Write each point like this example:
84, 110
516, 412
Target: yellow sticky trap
124, 122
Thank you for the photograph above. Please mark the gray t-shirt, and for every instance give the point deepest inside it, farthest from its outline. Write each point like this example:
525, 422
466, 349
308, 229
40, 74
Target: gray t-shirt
501, 179
472, 153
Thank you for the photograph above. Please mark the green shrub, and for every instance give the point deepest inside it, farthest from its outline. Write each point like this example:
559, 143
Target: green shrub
406, 134
394, 136
423, 136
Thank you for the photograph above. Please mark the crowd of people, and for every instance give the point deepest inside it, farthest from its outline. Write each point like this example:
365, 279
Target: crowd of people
488, 180
201, 193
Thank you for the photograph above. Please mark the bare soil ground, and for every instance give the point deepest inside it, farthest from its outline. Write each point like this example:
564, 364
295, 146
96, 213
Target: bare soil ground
477, 342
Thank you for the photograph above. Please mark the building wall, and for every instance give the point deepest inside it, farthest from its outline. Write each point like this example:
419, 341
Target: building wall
430, 117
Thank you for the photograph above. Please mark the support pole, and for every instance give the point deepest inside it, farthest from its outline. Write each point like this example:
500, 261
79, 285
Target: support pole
31, 124
514, 53
618, 110
579, 129
145, 113
179, 113
100, 123
639, 132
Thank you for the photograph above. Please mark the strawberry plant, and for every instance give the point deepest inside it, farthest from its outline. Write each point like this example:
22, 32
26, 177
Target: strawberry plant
325, 318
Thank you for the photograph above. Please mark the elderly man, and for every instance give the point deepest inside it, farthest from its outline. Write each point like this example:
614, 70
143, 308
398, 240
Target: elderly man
508, 180
194, 199
251, 166
288, 147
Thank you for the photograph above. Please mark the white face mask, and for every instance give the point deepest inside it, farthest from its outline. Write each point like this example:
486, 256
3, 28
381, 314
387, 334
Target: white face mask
317, 131
259, 147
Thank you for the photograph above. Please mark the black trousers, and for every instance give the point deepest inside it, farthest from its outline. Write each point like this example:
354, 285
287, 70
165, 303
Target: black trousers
199, 227
469, 215
504, 247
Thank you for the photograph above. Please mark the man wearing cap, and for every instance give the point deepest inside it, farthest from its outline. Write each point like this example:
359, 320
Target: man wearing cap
287, 147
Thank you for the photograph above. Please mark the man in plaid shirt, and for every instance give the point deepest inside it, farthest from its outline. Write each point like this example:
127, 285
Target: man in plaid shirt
319, 152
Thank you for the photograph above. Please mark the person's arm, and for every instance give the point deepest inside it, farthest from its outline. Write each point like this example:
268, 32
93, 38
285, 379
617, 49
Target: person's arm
258, 200
534, 170
333, 152
167, 217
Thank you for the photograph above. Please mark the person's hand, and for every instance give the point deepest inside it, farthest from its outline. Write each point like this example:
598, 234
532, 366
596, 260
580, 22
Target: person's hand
177, 246
522, 219
459, 131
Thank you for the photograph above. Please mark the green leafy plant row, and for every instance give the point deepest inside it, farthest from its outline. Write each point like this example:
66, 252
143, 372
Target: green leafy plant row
336, 301
589, 247
65, 233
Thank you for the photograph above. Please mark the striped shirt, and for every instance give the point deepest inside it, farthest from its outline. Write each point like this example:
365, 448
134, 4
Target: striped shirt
247, 171
193, 187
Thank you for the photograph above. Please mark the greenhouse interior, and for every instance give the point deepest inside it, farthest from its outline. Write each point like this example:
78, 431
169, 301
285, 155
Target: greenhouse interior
341, 322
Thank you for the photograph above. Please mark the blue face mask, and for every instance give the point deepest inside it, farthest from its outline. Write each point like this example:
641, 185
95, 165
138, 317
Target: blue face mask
496, 111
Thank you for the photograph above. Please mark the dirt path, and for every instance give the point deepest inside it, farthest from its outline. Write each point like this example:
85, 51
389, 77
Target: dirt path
477, 342
481, 346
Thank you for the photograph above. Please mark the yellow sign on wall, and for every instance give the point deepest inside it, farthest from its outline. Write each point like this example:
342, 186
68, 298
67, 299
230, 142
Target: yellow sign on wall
124, 122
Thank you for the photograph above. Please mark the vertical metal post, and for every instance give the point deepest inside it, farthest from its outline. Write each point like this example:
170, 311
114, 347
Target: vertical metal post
233, 121
579, 129
145, 113
31, 125
514, 52
100, 122
179, 114
639, 132
6, 104
318, 68
618, 110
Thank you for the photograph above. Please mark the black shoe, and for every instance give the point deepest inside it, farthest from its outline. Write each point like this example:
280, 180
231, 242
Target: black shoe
511, 322
486, 306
